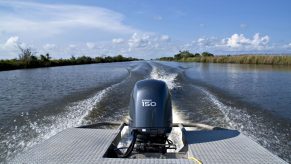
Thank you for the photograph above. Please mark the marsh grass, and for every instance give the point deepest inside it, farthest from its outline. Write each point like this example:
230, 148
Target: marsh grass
239, 59
32, 61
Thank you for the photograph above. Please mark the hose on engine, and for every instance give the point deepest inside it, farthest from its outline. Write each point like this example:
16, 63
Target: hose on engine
130, 148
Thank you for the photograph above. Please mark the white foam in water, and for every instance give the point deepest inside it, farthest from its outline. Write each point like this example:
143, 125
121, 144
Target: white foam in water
169, 79
226, 110
177, 118
76, 112
239, 120
236, 119
223, 108
249, 125
73, 116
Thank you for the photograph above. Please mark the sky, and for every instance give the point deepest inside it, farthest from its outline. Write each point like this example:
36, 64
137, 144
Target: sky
145, 29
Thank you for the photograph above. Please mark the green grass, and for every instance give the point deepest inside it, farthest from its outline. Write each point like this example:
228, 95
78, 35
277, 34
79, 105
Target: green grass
32, 61
237, 59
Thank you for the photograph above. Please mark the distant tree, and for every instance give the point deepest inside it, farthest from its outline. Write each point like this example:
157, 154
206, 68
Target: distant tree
45, 60
27, 57
84, 60
99, 60
119, 58
108, 59
42, 58
73, 58
197, 55
25, 53
207, 54
48, 56
33, 58
183, 54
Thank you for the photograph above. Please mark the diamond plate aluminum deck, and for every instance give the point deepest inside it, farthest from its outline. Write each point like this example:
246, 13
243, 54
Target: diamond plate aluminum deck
227, 146
77, 145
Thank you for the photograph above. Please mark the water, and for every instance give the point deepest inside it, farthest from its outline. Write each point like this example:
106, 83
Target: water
36, 104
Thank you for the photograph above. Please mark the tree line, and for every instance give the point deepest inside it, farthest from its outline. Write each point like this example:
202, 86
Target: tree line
206, 57
28, 59
184, 55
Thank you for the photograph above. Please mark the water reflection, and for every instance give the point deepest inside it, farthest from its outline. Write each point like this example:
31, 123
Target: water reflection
264, 85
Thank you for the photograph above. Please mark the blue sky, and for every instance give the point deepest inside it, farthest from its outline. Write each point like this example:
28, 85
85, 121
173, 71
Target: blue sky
144, 29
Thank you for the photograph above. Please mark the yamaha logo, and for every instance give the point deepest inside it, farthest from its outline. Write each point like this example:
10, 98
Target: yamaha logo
146, 102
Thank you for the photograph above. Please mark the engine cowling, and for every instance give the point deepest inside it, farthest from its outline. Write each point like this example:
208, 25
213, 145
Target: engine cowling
150, 110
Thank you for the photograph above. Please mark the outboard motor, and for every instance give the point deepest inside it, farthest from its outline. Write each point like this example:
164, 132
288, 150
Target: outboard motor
150, 122
151, 115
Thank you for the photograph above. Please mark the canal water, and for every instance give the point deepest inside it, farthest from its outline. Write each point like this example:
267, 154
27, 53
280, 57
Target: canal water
35, 104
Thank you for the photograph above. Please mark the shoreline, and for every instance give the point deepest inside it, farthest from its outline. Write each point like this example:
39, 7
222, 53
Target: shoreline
240, 59
15, 64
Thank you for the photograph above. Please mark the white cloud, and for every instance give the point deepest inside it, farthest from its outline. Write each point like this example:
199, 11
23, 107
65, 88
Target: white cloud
11, 42
28, 17
10, 47
117, 40
41, 24
139, 41
141, 45
235, 43
260, 41
288, 46
206, 42
239, 41
147, 41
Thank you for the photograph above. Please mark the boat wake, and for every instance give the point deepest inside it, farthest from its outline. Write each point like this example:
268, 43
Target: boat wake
44, 128
191, 103
170, 80
196, 103
253, 125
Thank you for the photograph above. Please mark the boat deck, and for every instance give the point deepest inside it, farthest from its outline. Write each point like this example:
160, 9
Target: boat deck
85, 145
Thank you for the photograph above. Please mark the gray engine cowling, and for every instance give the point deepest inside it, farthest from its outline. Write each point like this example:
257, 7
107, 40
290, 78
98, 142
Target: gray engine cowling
150, 110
